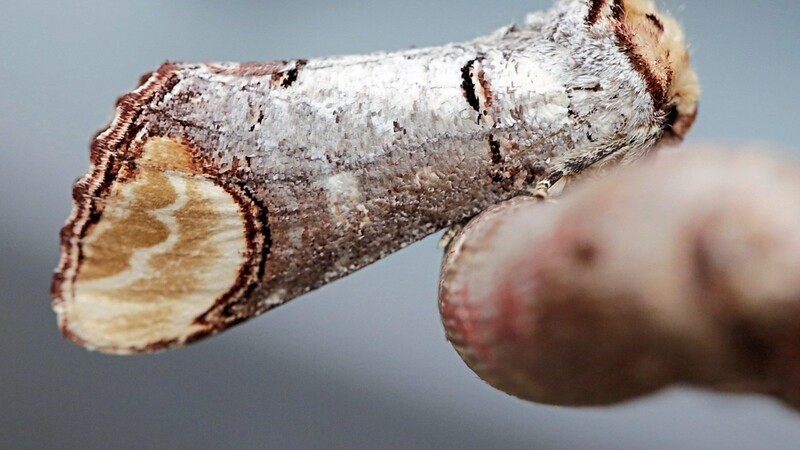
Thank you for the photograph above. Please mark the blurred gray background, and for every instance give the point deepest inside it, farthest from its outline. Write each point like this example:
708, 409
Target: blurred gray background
361, 363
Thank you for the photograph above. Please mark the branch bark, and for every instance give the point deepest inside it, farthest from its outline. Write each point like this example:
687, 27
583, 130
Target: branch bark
683, 270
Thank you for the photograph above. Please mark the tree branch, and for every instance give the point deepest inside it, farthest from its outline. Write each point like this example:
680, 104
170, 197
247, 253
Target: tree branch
683, 270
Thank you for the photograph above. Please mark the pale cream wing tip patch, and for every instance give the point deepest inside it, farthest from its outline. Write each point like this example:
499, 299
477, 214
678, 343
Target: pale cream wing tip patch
170, 243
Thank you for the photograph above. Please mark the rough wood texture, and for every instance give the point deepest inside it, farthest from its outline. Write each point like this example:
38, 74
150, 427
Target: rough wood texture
677, 271
314, 169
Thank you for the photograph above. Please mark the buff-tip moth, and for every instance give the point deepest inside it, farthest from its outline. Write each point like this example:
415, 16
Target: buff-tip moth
220, 191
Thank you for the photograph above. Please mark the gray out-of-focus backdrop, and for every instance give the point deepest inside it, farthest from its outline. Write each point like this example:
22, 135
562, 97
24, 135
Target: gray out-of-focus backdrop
361, 363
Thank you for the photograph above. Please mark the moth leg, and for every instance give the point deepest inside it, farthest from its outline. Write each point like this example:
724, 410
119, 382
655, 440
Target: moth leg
567, 169
451, 233
541, 190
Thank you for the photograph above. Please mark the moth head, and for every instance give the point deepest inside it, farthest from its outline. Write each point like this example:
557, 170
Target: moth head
655, 44
665, 49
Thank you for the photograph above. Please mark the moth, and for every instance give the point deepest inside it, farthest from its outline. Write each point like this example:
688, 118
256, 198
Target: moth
220, 190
